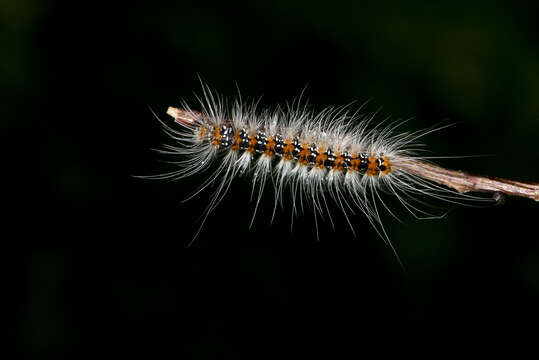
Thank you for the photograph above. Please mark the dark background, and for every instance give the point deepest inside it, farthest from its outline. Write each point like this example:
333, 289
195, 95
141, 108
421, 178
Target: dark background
96, 259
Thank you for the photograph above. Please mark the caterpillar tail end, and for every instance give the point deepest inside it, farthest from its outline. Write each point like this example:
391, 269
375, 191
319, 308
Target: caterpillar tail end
181, 116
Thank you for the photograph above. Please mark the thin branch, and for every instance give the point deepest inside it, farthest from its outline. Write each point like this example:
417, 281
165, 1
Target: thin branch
463, 182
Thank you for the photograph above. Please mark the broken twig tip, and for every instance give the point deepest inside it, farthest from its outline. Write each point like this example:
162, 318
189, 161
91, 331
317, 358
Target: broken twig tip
181, 116
172, 111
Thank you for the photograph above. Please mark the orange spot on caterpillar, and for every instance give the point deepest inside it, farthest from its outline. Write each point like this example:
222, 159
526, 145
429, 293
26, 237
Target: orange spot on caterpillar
237, 141
252, 144
355, 162
304, 154
338, 163
270, 147
288, 149
372, 168
216, 136
321, 158
385, 163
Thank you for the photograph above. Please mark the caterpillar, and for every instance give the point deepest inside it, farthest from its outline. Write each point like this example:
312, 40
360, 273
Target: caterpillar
317, 157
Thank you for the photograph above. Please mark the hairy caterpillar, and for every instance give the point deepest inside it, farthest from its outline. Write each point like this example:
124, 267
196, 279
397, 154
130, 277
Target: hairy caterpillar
331, 155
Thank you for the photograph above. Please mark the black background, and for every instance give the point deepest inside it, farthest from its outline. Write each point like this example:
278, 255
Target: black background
99, 263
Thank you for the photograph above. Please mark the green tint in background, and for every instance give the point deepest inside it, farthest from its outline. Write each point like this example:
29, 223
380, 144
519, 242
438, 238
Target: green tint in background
99, 259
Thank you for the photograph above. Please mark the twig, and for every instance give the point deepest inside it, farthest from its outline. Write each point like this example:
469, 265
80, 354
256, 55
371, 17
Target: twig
463, 182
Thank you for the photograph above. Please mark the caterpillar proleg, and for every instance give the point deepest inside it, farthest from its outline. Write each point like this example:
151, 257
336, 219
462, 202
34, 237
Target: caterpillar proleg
334, 155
